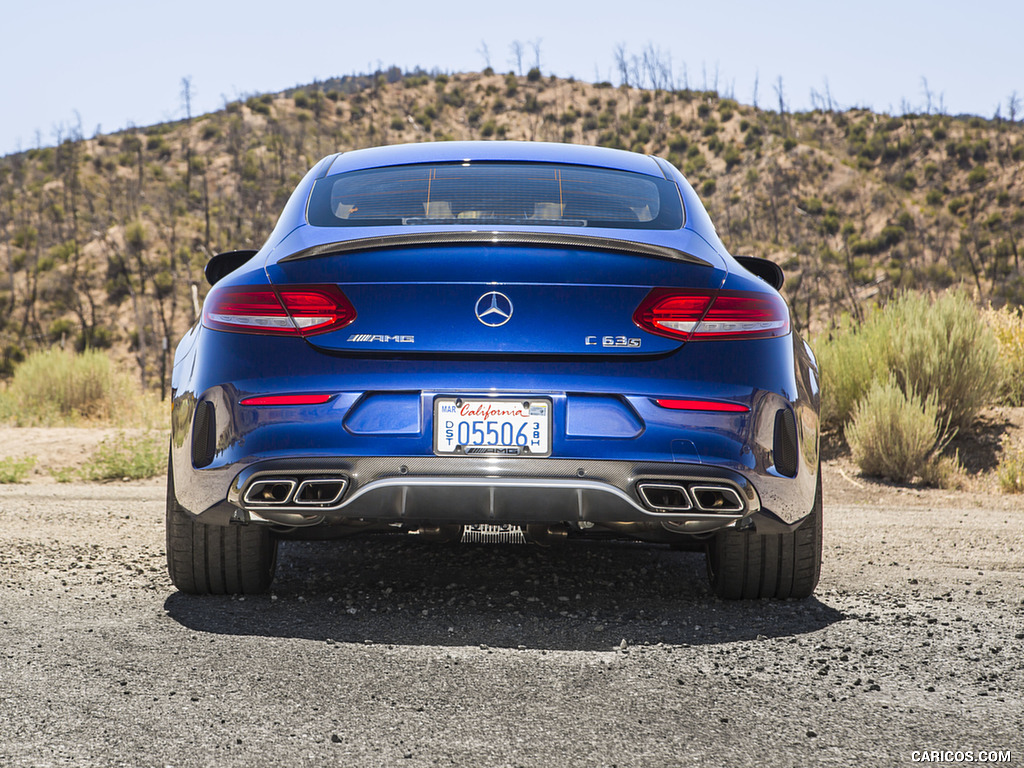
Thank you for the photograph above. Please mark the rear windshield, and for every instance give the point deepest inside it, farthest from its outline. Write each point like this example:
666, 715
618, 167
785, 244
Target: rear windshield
495, 193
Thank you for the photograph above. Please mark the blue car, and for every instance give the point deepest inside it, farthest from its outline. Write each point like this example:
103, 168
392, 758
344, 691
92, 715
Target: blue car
495, 341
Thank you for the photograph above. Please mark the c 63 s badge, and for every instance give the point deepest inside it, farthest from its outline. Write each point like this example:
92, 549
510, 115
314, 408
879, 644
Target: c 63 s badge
372, 337
611, 341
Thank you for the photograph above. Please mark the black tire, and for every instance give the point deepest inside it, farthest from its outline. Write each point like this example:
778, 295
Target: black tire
747, 564
216, 560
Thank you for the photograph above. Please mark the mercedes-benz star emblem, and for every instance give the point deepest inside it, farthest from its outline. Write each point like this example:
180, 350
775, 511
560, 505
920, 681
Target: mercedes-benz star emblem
493, 309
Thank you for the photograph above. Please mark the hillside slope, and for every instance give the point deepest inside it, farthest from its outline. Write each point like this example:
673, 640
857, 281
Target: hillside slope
103, 240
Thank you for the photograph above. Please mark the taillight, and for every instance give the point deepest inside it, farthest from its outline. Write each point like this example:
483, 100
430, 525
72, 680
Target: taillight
715, 406
714, 315
286, 399
293, 311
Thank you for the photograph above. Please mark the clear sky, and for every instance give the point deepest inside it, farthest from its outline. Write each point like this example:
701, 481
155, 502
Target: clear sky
112, 63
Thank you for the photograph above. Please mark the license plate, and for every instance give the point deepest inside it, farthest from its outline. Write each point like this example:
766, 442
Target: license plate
484, 427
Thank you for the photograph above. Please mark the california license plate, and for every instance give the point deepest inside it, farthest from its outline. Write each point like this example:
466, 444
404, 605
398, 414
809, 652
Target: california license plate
482, 427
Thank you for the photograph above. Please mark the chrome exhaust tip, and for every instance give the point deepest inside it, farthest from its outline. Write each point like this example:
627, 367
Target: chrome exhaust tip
665, 497
277, 490
716, 498
321, 492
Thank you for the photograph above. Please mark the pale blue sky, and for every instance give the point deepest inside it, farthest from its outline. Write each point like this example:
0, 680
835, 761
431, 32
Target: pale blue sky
119, 62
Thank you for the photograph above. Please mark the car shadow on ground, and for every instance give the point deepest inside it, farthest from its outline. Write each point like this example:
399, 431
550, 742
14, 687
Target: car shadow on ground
573, 596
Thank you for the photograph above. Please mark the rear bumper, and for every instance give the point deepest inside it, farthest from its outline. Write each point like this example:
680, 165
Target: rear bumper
606, 424
442, 490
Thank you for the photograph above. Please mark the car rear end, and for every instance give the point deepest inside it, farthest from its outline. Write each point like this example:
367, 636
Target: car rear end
560, 374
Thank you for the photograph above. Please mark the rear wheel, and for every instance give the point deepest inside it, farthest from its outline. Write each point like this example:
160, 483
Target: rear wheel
748, 564
213, 559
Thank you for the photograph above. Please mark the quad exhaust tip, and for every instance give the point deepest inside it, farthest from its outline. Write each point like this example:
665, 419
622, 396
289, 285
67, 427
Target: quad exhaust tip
279, 492
668, 497
665, 497
270, 491
322, 493
716, 498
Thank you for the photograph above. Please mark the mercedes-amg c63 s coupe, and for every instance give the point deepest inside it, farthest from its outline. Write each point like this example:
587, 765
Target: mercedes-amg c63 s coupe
476, 341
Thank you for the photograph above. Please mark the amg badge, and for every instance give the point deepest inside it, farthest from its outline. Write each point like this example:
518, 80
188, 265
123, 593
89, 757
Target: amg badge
368, 337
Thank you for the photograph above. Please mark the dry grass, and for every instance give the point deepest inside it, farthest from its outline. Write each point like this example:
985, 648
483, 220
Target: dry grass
1007, 325
56, 388
898, 436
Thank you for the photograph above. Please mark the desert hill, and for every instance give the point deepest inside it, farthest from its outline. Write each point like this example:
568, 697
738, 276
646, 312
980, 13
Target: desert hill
103, 240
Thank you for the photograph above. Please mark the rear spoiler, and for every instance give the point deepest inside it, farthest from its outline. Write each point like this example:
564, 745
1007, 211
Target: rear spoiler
542, 239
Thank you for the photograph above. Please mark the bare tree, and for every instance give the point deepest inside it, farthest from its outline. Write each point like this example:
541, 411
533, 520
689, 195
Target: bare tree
186, 103
622, 64
485, 53
830, 105
654, 66
927, 95
781, 94
516, 48
535, 47
757, 78
1013, 105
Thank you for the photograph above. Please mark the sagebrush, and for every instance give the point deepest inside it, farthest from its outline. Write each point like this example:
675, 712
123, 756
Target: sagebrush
54, 387
937, 348
1007, 325
897, 435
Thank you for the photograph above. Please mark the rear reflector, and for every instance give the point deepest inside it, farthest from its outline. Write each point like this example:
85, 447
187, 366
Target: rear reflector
702, 405
293, 311
716, 315
287, 400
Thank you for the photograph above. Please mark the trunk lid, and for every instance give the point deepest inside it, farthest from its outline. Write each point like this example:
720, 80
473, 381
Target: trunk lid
468, 295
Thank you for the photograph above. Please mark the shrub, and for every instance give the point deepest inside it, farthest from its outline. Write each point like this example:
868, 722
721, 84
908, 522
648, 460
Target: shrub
14, 470
849, 361
127, 458
813, 206
733, 156
896, 435
1007, 325
258, 105
908, 181
55, 387
941, 349
1011, 472
957, 205
678, 143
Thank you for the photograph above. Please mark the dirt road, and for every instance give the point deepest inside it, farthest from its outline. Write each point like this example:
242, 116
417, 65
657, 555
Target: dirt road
397, 653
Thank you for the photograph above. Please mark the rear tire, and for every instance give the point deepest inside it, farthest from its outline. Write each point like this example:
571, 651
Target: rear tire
216, 560
747, 564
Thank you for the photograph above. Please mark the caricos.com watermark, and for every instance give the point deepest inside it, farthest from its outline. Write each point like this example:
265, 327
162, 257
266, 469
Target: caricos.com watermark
960, 756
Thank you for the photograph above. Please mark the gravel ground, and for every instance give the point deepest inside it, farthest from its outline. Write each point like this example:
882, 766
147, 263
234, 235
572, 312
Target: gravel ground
392, 652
